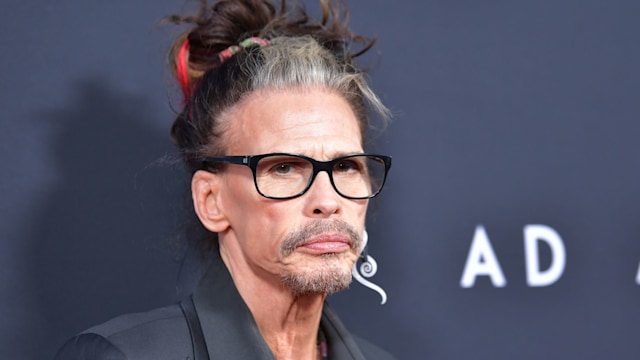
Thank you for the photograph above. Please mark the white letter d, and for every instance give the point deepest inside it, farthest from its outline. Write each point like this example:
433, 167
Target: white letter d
533, 234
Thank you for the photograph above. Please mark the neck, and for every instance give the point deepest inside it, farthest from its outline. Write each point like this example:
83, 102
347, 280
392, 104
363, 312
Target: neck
289, 324
291, 329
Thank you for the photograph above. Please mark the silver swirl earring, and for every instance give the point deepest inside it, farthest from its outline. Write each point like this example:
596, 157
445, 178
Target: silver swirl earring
367, 269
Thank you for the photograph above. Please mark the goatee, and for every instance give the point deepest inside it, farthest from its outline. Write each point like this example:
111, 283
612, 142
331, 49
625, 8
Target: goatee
332, 275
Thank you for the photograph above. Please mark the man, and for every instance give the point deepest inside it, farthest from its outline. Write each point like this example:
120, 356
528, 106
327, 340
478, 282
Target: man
273, 131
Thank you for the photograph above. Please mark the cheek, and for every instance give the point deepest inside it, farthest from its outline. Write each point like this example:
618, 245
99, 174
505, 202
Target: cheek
239, 194
258, 222
360, 209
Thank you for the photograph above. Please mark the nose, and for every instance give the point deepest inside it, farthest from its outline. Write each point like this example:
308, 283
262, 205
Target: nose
322, 198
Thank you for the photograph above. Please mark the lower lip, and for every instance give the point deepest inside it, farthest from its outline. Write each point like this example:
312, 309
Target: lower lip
325, 247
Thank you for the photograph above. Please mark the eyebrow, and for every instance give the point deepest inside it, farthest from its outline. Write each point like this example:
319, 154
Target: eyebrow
333, 155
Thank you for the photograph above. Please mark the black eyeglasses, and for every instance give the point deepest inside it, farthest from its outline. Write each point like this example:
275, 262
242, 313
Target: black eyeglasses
286, 176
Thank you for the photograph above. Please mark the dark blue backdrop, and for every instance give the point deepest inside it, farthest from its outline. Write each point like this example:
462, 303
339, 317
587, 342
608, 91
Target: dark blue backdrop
507, 114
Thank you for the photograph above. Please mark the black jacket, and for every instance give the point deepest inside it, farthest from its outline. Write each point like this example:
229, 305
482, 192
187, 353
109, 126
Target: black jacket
228, 329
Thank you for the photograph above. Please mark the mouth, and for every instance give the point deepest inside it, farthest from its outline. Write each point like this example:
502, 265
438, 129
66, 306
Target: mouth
321, 237
327, 244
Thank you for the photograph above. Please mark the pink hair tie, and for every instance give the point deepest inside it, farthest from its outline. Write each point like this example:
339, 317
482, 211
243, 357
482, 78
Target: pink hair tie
233, 49
182, 69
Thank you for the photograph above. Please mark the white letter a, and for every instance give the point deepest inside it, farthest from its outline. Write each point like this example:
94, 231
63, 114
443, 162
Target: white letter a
482, 261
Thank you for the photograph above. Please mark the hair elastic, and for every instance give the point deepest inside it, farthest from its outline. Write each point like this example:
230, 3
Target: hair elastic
233, 49
182, 69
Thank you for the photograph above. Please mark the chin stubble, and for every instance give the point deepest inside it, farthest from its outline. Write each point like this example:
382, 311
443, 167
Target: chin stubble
332, 276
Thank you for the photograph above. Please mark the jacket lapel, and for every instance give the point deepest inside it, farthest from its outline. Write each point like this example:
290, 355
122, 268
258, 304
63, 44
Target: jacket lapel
341, 344
229, 329
230, 332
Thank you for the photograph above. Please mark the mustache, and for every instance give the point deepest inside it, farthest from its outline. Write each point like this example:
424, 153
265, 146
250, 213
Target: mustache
299, 236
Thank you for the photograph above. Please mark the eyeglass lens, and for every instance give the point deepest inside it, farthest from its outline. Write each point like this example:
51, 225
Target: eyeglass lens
281, 176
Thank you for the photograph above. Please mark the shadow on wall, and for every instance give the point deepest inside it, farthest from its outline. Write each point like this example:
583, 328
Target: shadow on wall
103, 239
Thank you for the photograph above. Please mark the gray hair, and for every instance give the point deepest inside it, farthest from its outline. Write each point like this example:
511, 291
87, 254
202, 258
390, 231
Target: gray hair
287, 63
293, 62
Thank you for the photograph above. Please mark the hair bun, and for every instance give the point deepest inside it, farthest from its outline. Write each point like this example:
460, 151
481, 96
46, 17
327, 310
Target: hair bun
227, 22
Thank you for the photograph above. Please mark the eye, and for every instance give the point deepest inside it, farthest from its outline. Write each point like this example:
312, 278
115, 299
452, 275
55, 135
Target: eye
347, 165
283, 168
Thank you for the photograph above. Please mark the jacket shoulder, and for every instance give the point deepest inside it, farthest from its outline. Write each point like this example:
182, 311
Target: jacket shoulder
158, 334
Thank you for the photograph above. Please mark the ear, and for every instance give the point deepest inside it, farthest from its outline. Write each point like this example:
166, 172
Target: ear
205, 190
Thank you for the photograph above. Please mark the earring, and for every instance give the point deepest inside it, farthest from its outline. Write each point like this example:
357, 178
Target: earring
367, 268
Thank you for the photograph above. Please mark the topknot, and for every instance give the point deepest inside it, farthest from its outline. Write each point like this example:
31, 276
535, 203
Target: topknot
227, 22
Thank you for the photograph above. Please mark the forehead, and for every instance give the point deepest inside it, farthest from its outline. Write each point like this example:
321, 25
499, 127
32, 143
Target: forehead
313, 122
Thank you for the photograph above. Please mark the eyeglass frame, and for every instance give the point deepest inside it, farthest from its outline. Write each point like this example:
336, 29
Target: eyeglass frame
251, 161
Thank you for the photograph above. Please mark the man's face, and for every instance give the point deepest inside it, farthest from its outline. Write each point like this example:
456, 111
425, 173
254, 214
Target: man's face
311, 242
